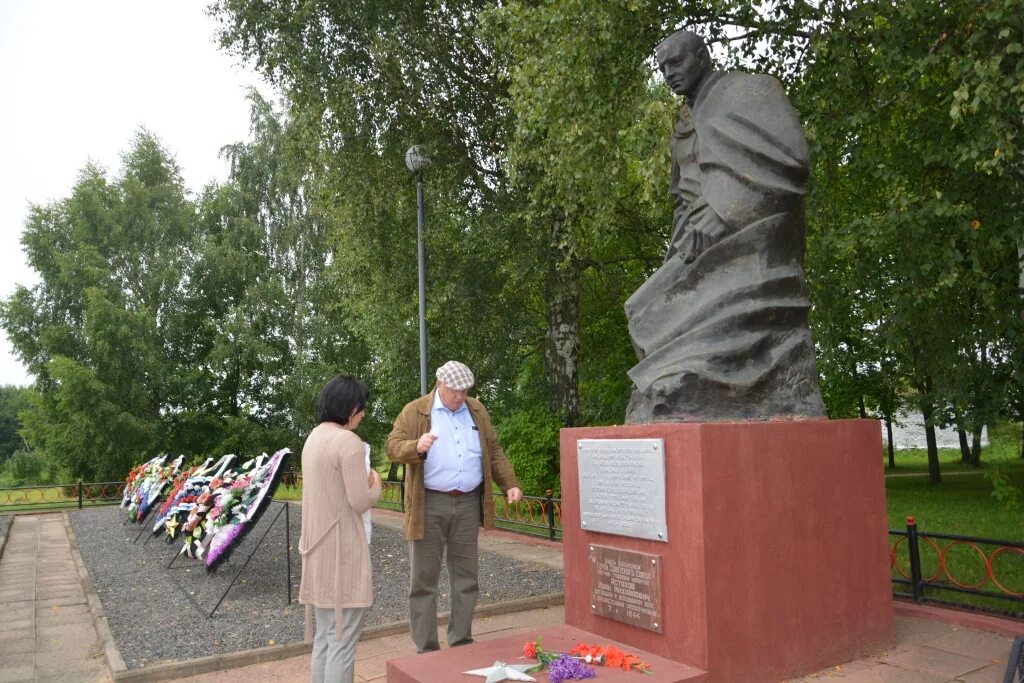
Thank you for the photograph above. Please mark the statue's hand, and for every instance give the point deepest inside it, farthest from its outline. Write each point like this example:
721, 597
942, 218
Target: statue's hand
692, 246
706, 229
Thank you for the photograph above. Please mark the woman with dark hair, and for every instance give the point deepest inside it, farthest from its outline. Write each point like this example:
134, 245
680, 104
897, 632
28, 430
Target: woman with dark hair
336, 490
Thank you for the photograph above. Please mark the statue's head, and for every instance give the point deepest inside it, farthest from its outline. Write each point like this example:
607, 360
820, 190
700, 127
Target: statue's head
684, 61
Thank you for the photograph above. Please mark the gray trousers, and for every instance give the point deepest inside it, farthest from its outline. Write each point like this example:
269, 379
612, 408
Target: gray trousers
334, 661
452, 524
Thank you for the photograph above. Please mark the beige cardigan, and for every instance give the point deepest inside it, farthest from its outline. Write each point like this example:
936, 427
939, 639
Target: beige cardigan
336, 569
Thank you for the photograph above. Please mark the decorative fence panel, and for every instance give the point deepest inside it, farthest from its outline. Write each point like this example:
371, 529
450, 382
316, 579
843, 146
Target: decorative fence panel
60, 496
945, 569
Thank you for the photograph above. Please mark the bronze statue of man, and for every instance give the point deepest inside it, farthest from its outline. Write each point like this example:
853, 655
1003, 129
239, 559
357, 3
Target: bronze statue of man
721, 329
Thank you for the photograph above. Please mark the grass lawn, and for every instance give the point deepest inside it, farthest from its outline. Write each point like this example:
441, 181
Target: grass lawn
286, 492
964, 502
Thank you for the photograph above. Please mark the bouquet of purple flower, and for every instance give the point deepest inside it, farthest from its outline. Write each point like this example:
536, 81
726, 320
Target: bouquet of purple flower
566, 668
562, 666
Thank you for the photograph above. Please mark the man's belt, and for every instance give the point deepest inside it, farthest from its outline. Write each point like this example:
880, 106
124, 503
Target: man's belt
456, 492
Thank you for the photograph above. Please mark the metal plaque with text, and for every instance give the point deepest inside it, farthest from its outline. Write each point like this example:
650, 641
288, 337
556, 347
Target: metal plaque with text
622, 487
626, 586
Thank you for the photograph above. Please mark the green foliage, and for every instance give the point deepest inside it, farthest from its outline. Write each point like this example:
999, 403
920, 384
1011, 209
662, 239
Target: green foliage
110, 259
913, 234
166, 324
398, 74
13, 400
26, 468
1003, 490
530, 440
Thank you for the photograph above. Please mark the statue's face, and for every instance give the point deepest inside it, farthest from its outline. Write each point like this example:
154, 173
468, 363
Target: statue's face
683, 69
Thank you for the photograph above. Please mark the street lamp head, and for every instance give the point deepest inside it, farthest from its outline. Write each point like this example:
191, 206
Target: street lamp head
416, 160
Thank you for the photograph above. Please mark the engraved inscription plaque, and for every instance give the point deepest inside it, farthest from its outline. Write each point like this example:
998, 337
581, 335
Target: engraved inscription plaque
626, 586
622, 487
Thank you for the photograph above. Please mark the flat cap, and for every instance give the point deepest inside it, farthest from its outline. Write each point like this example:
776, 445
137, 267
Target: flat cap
455, 375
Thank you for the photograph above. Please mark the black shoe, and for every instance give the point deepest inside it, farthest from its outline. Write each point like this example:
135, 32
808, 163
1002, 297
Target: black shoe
467, 641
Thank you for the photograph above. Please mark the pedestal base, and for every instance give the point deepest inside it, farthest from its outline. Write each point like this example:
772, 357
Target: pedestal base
777, 560
446, 666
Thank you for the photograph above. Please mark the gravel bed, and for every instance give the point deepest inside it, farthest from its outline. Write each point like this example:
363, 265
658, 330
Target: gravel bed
145, 587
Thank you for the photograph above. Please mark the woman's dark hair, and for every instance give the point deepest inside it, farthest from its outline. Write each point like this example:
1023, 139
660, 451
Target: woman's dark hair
343, 397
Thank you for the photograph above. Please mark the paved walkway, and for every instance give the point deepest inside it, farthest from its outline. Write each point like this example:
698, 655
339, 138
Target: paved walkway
48, 634
46, 626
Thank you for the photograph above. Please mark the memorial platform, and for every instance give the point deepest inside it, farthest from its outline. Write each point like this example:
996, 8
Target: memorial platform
445, 666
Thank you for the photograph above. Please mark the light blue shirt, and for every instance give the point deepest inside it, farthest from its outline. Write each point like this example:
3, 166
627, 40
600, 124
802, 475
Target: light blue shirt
455, 461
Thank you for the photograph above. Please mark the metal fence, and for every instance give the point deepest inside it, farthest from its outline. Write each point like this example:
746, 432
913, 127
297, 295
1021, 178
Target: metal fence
60, 496
939, 568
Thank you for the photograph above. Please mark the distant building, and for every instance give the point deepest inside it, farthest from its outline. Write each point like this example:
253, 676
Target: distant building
908, 432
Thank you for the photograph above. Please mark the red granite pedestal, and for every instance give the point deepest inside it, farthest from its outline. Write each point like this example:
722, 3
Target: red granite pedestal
777, 560
776, 563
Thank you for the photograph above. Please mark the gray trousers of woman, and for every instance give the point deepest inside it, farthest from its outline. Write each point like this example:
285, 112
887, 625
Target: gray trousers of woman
334, 660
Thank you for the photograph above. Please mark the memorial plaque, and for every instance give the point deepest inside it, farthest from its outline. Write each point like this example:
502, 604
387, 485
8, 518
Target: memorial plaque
626, 586
622, 487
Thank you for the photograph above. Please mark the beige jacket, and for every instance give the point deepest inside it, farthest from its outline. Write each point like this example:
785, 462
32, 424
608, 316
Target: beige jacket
336, 569
412, 423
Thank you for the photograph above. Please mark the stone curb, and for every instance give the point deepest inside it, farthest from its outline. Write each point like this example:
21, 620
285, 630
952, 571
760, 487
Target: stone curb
981, 621
4, 535
99, 620
222, 662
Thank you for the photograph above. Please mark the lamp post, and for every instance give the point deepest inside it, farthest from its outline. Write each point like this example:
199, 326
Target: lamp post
416, 161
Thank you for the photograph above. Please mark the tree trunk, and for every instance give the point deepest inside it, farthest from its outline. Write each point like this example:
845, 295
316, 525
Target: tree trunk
927, 410
862, 407
892, 450
562, 339
965, 450
961, 433
976, 448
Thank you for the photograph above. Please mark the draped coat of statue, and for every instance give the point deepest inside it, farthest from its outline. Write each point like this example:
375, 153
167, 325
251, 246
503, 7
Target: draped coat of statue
721, 328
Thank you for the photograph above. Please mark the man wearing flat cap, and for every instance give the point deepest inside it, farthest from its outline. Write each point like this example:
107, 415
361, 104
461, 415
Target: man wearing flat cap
452, 459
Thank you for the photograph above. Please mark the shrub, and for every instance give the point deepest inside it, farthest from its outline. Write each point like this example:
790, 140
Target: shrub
530, 440
27, 467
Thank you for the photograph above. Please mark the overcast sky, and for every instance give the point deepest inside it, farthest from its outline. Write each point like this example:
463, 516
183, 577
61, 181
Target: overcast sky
78, 78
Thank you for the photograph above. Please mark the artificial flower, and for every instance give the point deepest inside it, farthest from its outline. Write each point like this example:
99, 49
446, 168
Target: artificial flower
145, 484
566, 667
533, 650
609, 655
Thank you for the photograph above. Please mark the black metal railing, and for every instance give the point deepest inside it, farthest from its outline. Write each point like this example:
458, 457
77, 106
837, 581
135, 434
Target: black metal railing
532, 515
60, 496
936, 568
